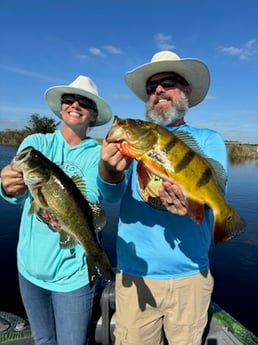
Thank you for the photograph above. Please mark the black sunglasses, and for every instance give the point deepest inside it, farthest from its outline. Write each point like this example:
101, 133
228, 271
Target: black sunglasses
84, 102
166, 83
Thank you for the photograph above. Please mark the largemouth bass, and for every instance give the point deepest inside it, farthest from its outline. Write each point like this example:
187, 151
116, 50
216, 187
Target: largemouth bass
58, 196
165, 155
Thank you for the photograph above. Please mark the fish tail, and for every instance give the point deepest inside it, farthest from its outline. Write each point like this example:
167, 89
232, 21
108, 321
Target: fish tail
106, 268
229, 226
100, 268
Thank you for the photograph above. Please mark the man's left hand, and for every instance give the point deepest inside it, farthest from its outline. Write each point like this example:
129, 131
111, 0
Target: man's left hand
173, 198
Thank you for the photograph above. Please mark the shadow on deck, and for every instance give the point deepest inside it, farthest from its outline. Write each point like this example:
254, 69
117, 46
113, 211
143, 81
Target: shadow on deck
222, 329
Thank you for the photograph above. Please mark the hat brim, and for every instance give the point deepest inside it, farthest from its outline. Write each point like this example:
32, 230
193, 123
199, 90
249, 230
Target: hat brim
194, 71
53, 99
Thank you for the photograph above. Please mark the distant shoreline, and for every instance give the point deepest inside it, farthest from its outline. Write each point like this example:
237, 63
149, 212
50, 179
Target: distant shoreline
235, 149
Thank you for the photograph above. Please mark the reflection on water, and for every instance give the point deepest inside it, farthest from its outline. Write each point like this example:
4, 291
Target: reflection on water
234, 264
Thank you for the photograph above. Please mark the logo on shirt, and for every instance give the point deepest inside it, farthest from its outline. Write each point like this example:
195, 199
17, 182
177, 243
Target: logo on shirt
71, 170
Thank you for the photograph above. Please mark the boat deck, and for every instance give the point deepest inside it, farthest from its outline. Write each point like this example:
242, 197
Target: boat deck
220, 336
217, 335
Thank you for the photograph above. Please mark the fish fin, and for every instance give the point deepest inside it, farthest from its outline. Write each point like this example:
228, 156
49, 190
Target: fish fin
195, 210
66, 241
99, 268
99, 216
231, 225
33, 208
41, 198
148, 186
189, 140
105, 267
40, 214
144, 175
220, 173
80, 183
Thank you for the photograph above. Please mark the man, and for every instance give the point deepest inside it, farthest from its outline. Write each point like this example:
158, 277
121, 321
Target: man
163, 284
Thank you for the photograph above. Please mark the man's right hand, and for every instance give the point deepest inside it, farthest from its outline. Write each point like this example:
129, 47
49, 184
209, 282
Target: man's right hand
112, 164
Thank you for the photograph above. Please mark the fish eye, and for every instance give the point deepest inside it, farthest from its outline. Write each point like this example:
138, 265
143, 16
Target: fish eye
35, 155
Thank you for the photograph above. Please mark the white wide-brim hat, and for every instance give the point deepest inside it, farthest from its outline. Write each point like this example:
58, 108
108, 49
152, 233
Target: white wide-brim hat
82, 86
194, 71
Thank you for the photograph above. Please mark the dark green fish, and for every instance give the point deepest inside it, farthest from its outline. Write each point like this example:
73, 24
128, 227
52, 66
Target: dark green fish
58, 195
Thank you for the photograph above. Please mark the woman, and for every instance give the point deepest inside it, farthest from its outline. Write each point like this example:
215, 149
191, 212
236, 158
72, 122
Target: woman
54, 282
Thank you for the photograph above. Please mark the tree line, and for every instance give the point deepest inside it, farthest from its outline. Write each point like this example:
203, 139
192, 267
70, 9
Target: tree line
36, 124
44, 124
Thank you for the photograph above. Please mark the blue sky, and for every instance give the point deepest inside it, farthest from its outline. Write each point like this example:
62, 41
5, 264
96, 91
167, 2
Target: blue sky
46, 43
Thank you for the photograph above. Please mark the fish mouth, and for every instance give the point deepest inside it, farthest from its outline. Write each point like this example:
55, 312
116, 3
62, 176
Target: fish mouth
115, 134
32, 174
20, 158
122, 130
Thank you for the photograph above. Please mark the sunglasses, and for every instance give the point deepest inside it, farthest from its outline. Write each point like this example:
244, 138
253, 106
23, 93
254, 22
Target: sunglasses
84, 102
166, 83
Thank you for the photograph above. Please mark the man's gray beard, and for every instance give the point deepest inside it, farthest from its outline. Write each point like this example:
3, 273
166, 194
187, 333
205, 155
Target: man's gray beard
170, 115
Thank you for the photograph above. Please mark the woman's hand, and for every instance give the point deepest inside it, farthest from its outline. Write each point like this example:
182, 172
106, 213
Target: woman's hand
12, 181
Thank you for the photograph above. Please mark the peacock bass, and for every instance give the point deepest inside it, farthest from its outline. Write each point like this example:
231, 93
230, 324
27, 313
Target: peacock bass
168, 156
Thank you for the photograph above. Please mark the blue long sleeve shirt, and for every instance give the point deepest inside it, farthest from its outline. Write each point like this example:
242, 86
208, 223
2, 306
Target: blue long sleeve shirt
155, 243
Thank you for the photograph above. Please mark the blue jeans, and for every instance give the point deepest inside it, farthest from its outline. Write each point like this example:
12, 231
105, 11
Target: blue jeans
57, 318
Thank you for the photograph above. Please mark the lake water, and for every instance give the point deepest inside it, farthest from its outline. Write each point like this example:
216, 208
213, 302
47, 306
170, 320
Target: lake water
234, 264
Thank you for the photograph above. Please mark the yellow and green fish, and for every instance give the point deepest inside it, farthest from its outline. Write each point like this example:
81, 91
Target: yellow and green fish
170, 156
61, 197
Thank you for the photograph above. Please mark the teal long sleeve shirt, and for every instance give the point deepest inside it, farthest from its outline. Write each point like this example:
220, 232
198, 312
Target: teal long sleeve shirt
40, 259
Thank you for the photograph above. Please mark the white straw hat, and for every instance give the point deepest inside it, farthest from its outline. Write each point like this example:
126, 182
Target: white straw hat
82, 86
194, 71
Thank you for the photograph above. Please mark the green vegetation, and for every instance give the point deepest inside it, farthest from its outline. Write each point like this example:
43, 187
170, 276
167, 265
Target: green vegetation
238, 152
36, 124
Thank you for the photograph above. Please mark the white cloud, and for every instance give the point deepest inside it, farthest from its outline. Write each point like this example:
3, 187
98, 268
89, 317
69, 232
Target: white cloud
113, 50
163, 41
96, 51
109, 49
244, 53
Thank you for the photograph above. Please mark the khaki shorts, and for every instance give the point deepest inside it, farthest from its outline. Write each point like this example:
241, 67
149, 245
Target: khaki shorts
146, 309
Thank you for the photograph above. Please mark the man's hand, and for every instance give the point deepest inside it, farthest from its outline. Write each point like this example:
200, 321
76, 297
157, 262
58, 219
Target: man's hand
12, 181
172, 198
112, 163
